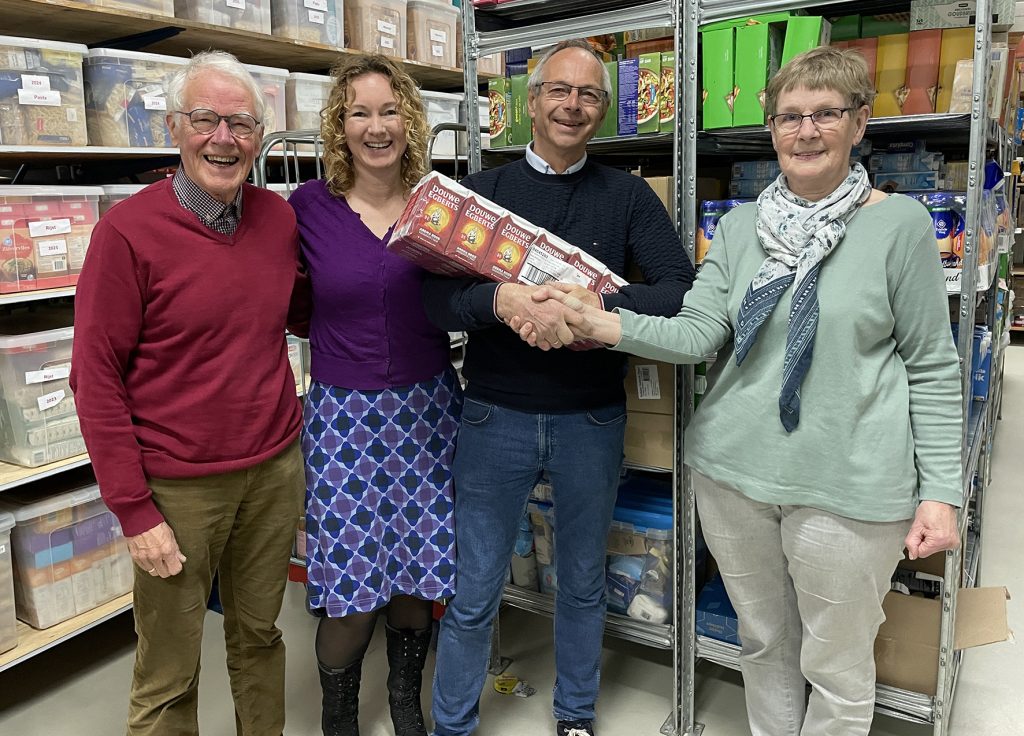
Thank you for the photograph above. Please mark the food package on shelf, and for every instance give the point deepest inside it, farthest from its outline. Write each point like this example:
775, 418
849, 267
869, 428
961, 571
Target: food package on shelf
8, 620
431, 32
305, 96
126, 97
243, 15
42, 102
69, 555
272, 82
156, 7
376, 26
317, 21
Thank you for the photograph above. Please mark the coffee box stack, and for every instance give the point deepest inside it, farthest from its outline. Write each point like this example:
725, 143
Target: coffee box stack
449, 230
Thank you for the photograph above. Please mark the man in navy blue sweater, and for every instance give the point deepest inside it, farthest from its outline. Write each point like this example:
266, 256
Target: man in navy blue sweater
531, 410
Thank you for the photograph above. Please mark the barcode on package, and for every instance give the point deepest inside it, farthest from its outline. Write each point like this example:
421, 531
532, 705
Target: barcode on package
647, 386
533, 275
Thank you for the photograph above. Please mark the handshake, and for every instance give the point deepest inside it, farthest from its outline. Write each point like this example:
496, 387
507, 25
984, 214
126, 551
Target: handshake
555, 314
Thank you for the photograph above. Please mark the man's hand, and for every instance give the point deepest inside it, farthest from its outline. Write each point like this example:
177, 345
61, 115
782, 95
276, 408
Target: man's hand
585, 321
545, 317
934, 529
548, 291
156, 551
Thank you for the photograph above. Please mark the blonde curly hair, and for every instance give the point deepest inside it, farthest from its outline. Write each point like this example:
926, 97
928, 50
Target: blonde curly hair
337, 156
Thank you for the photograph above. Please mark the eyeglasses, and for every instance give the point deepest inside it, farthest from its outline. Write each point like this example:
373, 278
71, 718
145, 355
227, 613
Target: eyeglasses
790, 122
241, 125
559, 91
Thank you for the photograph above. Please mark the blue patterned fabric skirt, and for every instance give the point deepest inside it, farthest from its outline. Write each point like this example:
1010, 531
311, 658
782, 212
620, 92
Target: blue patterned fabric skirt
379, 493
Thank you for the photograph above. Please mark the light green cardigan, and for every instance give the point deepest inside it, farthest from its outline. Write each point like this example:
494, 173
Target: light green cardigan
880, 412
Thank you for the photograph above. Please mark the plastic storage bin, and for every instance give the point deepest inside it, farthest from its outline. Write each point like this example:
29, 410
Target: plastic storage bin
8, 622
44, 234
156, 7
305, 97
38, 423
442, 107
125, 97
376, 26
245, 15
431, 31
42, 102
319, 21
114, 193
69, 555
272, 82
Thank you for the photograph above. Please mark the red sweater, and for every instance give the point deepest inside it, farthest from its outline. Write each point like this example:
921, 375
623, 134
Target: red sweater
180, 367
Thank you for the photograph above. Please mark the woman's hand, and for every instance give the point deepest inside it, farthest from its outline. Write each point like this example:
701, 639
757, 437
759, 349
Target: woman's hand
583, 316
934, 529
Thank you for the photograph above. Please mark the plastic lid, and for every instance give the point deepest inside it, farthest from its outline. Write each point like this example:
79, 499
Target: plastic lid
6, 521
140, 55
25, 510
255, 69
34, 43
28, 339
304, 77
25, 190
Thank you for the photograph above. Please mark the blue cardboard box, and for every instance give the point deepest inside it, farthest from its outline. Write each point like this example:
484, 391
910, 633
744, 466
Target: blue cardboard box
716, 617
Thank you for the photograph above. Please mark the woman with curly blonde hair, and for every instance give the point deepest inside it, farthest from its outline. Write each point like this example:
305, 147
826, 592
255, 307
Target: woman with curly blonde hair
383, 407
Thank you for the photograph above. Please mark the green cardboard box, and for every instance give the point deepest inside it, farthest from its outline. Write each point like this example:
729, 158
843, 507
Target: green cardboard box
518, 111
610, 127
758, 53
780, 17
667, 93
498, 102
803, 33
648, 99
846, 28
718, 48
872, 26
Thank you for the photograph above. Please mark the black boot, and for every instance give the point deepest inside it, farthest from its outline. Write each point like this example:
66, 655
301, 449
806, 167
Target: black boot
341, 699
407, 651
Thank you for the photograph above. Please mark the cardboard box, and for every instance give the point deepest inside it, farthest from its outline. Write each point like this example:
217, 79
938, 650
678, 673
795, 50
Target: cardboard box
715, 616
650, 386
873, 26
610, 125
923, 49
650, 440
868, 48
846, 28
758, 55
908, 181
717, 55
667, 93
498, 102
648, 105
518, 111
958, 14
891, 74
803, 33
957, 44
665, 188
628, 80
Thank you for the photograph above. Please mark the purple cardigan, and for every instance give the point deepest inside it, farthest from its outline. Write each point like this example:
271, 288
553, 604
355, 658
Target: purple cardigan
368, 330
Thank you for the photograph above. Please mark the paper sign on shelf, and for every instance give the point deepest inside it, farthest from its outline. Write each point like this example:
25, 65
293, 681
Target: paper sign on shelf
53, 373
42, 228
38, 97
36, 82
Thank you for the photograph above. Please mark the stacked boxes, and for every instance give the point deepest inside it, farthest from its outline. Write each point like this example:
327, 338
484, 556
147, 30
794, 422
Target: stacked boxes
376, 26
8, 620
317, 21
245, 15
125, 97
431, 32
44, 234
69, 555
42, 101
38, 424
650, 419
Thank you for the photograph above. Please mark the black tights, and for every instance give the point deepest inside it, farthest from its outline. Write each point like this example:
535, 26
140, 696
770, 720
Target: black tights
343, 641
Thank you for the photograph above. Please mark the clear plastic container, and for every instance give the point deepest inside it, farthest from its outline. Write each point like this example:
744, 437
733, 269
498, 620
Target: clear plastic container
272, 82
44, 235
305, 97
245, 15
114, 193
42, 101
318, 21
125, 97
8, 620
442, 107
156, 7
376, 26
69, 554
432, 32
38, 423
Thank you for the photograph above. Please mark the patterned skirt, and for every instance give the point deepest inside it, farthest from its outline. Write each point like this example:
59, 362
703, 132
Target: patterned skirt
379, 493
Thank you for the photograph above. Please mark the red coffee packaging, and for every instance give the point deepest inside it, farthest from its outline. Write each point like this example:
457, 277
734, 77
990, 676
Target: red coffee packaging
423, 231
508, 249
475, 232
547, 260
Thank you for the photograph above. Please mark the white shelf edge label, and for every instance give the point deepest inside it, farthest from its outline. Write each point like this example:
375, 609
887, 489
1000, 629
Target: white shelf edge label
42, 228
38, 97
316, 4
48, 401
389, 28
315, 16
439, 36
37, 82
52, 247
647, 384
53, 373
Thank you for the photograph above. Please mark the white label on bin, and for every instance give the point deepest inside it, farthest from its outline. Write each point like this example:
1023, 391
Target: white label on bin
38, 97
240, 4
384, 27
36, 82
437, 50
51, 400
42, 228
53, 373
52, 247
316, 4
315, 16
154, 102
387, 43
647, 386
439, 36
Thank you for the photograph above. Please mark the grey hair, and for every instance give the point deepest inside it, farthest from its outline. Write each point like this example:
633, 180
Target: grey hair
219, 62
576, 43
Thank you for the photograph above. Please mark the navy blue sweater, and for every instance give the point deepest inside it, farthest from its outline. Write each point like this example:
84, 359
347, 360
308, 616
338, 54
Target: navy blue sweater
612, 215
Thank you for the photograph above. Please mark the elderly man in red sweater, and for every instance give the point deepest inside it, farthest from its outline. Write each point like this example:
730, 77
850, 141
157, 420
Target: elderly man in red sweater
188, 406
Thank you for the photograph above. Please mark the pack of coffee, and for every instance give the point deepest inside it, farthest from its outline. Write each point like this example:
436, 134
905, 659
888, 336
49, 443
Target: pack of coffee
475, 232
508, 249
425, 227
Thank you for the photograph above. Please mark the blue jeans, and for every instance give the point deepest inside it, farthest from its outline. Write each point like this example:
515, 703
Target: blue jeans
500, 456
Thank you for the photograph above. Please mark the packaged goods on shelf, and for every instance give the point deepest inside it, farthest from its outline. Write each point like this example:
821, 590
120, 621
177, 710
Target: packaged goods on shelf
803, 33
305, 96
758, 56
156, 7
949, 215
272, 82
716, 618
628, 95
8, 620
890, 74
69, 555
946, 14
243, 15
521, 124
717, 53
906, 162
748, 188
711, 211
957, 44
981, 360
756, 169
499, 120
648, 106
114, 193
376, 26
640, 555
431, 32
442, 107
125, 97
44, 235
923, 51
650, 386
610, 124
908, 181
316, 21
42, 101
